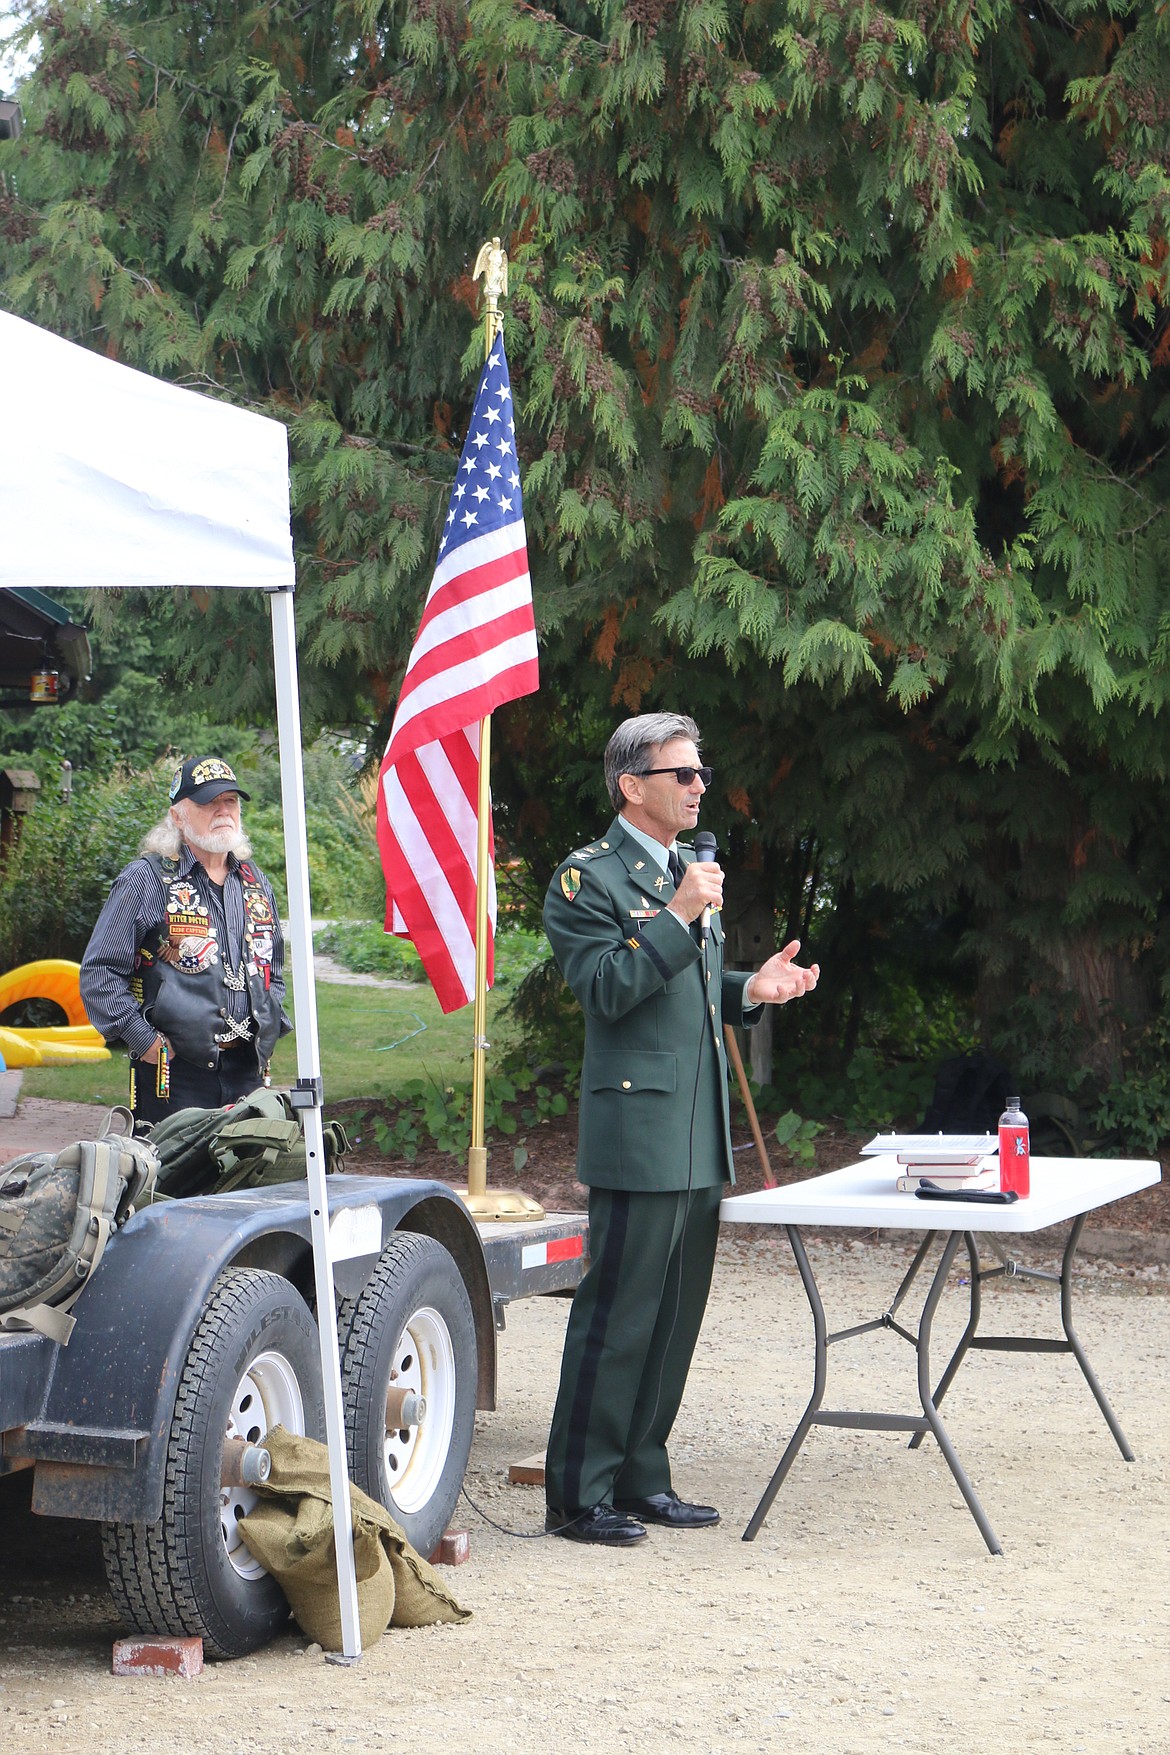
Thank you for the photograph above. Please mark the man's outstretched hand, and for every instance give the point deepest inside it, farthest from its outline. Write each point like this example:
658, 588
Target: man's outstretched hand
781, 979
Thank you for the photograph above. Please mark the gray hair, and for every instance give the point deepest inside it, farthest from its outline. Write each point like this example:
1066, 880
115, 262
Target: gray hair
627, 751
166, 837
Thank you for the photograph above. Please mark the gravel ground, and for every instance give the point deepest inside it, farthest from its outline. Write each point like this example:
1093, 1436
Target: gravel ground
867, 1615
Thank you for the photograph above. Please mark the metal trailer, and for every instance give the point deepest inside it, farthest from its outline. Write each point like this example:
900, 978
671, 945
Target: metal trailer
197, 1335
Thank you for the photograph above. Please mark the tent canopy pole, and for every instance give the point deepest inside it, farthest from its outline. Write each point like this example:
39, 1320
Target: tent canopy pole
307, 1094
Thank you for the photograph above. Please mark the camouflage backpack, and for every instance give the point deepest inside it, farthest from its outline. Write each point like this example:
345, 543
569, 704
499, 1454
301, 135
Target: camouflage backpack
58, 1211
253, 1142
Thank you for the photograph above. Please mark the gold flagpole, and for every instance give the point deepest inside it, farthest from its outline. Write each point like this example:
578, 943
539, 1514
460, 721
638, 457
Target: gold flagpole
503, 1203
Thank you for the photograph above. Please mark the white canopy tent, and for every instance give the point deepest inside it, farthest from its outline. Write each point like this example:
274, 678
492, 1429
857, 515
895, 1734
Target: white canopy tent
111, 478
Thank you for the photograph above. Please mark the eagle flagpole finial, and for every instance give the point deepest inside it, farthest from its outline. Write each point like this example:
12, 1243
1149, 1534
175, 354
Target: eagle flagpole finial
492, 263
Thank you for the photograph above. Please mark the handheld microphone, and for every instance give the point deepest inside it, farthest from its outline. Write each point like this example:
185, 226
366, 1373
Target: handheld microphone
705, 849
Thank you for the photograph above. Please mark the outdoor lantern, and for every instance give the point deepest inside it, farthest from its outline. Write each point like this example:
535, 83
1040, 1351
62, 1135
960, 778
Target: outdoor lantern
11, 120
42, 687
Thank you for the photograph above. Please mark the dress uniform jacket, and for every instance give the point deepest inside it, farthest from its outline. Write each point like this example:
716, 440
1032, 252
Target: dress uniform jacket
654, 1096
654, 1147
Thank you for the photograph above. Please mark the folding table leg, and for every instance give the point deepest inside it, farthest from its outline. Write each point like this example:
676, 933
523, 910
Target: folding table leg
967, 1336
928, 1405
1075, 1346
820, 1373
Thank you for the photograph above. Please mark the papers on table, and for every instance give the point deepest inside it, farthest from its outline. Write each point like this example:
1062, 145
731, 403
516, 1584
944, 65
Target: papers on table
962, 1149
952, 1161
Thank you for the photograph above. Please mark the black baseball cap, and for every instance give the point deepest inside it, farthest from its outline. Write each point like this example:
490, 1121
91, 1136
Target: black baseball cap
203, 778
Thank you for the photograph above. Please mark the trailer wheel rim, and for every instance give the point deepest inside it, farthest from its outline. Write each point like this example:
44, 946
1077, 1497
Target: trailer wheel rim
415, 1456
267, 1395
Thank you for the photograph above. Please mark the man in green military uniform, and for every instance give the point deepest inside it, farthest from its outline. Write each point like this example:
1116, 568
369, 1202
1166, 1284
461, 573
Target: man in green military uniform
633, 922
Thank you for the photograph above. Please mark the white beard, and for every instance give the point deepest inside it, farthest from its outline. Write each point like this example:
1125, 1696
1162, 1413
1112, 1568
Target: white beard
220, 841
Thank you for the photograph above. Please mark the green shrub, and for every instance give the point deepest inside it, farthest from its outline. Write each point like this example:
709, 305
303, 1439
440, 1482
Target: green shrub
1136, 1108
55, 878
344, 873
365, 949
425, 1110
797, 1136
552, 1024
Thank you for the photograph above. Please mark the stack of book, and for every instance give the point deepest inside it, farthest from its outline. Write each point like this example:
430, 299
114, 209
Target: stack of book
949, 1161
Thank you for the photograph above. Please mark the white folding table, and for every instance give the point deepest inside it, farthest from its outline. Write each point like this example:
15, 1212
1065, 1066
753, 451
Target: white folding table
864, 1196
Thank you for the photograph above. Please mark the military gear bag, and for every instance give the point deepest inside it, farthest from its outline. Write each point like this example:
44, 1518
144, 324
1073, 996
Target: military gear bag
58, 1211
253, 1142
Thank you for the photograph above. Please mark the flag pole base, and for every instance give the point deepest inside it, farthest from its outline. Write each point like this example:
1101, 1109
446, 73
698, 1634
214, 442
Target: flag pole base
501, 1204
496, 1204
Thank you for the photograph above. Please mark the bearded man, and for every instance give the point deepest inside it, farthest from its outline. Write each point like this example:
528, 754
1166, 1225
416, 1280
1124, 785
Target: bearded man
185, 967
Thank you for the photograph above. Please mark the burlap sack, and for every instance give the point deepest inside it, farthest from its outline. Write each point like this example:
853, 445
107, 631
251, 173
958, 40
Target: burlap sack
290, 1532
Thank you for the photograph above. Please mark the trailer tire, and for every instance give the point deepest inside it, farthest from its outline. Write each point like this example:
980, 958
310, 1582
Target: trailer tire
253, 1363
411, 1328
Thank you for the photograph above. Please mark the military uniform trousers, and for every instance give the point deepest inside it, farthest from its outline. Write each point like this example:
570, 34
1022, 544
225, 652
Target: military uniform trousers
632, 1329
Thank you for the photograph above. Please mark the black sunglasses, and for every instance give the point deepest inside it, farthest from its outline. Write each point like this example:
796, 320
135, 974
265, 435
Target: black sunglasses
684, 776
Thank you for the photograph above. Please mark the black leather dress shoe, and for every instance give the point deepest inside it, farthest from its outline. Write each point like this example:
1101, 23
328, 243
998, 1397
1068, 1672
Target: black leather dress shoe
598, 1523
669, 1509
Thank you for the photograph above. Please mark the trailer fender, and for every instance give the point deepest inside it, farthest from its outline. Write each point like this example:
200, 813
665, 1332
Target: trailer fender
99, 1443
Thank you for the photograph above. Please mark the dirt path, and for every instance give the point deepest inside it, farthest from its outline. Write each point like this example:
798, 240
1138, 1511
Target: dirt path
866, 1616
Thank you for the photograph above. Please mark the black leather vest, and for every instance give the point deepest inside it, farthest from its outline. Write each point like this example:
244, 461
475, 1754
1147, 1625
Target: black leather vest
182, 968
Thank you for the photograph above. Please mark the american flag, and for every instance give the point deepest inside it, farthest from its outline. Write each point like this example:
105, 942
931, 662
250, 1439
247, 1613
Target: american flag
475, 649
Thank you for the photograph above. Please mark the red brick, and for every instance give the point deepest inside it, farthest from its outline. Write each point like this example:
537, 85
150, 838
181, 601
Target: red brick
156, 1656
453, 1550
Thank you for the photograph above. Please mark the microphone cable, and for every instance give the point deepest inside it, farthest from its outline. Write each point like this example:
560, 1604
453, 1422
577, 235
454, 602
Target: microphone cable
682, 1242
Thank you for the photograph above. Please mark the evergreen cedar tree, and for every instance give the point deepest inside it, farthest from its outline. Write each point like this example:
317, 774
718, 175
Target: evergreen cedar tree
840, 342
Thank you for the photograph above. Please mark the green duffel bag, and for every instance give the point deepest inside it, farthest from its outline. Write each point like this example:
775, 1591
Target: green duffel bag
256, 1141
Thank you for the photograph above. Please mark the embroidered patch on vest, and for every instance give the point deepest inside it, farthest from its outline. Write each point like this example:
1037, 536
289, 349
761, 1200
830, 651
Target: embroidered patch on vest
257, 906
189, 953
191, 944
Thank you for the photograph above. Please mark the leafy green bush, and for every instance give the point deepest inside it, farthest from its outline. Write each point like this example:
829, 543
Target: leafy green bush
56, 876
1137, 1105
798, 1137
344, 874
425, 1110
874, 1091
552, 1024
365, 949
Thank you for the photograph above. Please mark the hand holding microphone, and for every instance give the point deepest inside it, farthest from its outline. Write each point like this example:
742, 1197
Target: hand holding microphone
701, 888
705, 847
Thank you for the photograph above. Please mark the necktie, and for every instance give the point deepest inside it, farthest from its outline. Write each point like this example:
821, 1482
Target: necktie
674, 866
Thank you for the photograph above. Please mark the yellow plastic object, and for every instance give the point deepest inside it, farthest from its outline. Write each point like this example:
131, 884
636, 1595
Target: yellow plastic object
59, 980
83, 1035
52, 978
17, 1051
67, 1053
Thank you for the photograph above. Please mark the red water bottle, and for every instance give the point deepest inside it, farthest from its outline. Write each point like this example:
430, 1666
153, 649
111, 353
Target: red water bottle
1014, 1159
